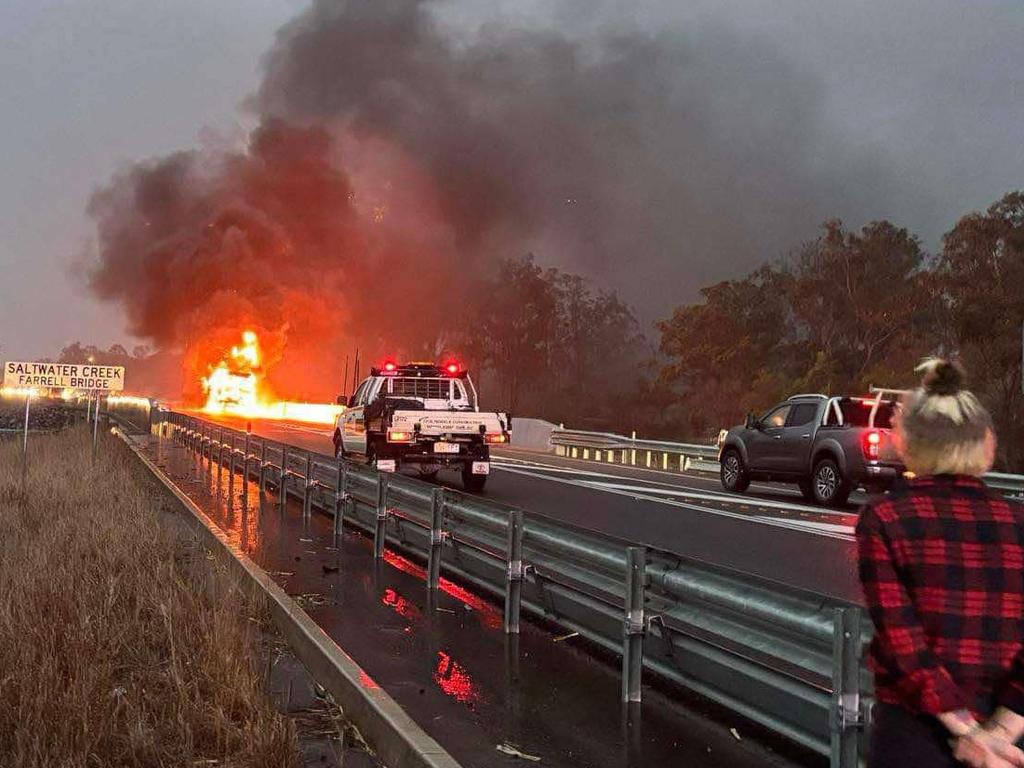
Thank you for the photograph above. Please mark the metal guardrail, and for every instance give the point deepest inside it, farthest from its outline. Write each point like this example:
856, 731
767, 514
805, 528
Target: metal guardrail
660, 454
618, 449
786, 658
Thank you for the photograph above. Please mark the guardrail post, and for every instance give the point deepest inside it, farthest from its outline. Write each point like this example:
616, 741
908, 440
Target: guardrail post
847, 719
245, 463
220, 451
340, 496
437, 502
514, 574
282, 486
231, 463
382, 515
263, 466
634, 624
307, 493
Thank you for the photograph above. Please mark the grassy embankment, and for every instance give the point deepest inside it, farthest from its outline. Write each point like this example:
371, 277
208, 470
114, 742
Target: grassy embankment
122, 643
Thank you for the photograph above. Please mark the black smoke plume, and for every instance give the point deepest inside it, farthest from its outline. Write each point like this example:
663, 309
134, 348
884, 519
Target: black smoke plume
399, 156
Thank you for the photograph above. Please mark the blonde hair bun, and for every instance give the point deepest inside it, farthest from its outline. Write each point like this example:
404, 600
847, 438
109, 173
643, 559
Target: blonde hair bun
942, 377
944, 428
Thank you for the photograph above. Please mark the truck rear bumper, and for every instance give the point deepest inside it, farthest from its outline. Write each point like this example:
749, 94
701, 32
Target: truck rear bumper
417, 455
882, 474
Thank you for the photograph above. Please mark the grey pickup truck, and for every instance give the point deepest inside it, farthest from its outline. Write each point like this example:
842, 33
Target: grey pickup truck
828, 446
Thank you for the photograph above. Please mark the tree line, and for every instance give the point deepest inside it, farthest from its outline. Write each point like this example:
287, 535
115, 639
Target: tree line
846, 311
855, 309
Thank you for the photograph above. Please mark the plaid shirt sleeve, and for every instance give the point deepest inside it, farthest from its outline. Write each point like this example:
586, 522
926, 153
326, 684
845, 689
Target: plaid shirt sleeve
900, 642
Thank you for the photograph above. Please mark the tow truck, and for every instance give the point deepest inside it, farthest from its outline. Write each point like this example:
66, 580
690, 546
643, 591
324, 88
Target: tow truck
424, 415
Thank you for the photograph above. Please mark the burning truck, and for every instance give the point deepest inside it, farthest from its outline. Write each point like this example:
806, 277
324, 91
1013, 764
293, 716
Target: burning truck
236, 386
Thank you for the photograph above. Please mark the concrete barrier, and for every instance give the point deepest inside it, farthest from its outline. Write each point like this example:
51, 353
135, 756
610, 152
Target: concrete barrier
532, 434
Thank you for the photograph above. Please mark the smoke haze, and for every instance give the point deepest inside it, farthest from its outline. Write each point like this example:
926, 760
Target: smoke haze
400, 154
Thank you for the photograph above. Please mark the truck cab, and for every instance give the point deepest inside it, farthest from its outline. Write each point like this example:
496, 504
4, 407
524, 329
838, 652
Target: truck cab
422, 415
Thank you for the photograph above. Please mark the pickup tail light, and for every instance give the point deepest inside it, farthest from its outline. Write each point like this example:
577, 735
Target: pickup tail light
399, 436
871, 442
496, 437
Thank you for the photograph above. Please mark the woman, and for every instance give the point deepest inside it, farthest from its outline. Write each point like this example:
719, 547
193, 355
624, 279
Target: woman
942, 565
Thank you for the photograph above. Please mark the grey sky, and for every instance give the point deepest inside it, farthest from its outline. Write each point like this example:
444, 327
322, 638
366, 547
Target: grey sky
89, 85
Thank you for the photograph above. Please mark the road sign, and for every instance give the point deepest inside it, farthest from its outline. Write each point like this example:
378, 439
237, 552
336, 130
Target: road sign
106, 378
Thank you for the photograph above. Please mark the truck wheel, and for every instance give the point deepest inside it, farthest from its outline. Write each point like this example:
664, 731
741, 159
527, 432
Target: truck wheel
429, 476
733, 473
830, 489
472, 483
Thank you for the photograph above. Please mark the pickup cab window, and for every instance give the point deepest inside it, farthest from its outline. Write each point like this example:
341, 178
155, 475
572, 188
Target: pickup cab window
359, 397
777, 417
802, 414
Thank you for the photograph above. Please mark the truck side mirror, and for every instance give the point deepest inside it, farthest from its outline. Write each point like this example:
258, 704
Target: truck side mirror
751, 422
342, 400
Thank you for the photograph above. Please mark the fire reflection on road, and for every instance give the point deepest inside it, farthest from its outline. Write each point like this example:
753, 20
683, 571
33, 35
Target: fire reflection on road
453, 679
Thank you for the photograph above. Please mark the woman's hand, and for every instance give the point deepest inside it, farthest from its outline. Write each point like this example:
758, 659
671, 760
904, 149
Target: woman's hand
980, 748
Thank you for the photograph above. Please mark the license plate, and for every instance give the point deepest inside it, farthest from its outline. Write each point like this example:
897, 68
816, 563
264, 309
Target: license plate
446, 447
481, 467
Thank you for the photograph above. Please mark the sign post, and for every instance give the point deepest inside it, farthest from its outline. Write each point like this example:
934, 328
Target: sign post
24, 443
95, 427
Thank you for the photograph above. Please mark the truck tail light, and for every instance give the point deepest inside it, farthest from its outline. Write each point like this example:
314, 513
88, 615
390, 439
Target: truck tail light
871, 442
495, 437
399, 436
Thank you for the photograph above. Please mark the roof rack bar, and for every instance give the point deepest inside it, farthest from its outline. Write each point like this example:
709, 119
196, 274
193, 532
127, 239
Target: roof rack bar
881, 392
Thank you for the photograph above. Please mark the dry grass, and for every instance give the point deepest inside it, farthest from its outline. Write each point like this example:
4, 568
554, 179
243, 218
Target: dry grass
121, 643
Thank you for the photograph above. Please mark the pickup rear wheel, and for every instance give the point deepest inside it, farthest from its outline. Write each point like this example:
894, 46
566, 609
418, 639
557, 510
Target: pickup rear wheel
733, 471
829, 487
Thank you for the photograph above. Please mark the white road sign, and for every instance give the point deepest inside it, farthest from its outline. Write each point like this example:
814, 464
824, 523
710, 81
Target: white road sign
109, 378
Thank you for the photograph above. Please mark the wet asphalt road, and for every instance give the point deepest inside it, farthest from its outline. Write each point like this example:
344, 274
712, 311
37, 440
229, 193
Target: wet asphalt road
769, 531
451, 666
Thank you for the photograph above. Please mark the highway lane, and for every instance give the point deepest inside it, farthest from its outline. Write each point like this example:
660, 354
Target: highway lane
769, 531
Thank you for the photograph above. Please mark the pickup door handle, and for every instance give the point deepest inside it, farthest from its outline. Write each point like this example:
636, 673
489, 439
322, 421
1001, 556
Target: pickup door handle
778, 437
805, 437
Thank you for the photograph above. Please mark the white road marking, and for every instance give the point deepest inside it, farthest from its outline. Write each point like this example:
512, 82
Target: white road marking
701, 494
689, 474
829, 530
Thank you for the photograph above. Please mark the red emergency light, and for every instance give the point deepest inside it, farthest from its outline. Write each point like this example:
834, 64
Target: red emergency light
389, 367
451, 368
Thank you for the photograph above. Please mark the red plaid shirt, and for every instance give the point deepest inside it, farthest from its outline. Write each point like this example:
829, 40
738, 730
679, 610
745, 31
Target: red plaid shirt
942, 565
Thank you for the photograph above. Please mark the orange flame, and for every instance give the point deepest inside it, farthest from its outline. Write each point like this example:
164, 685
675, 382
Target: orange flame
236, 387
